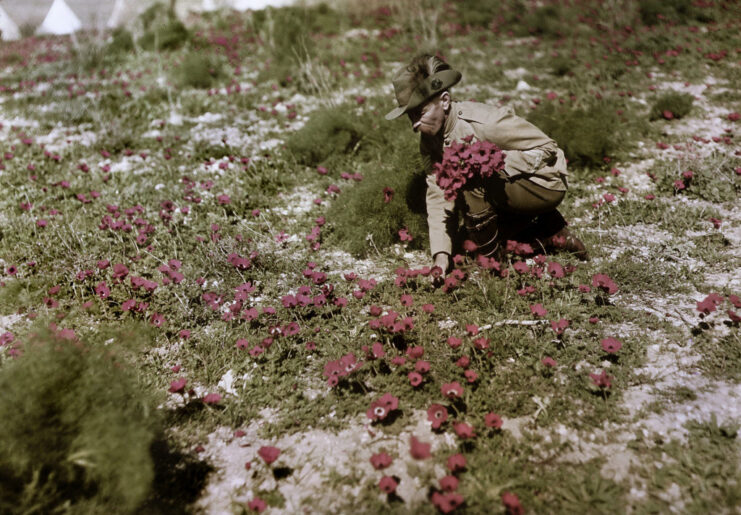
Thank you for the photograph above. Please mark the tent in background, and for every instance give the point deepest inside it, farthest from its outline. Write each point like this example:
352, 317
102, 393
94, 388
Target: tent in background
59, 20
8, 29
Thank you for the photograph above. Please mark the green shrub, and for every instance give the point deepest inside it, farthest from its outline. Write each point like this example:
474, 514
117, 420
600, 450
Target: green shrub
335, 135
121, 42
712, 178
361, 219
77, 430
328, 133
653, 12
586, 135
678, 104
161, 29
199, 70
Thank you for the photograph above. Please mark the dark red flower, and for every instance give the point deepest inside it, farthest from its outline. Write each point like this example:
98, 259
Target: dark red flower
437, 414
464, 430
538, 310
419, 450
212, 398
415, 379
449, 483
611, 345
257, 505
602, 380
387, 484
388, 194
268, 453
178, 385
380, 408
447, 502
456, 462
381, 460
512, 504
493, 420
452, 390
604, 283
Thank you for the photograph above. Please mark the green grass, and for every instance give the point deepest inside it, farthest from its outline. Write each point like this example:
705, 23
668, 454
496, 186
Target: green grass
317, 97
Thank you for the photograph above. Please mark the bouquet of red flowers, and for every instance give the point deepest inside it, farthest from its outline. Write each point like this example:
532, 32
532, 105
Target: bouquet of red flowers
467, 163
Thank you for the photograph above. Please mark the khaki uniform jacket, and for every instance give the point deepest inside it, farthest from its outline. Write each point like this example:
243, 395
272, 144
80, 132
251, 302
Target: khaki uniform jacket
529, 155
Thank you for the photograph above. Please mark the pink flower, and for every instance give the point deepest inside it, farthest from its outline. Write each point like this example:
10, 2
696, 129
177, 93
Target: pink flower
404, 235
604, 283
268, 454
449, 483
611, 345
447, 502
452, 390
559, 326
388, 194
602, 380
456, 462
257, 505
493, 420
454, 342
381, 460
464, 430
407, 300
548, 362
471, 376
512, 504
538, 310
419, 450
178, 385
380, 408
415, 379
212, 398
387, 484
437, 414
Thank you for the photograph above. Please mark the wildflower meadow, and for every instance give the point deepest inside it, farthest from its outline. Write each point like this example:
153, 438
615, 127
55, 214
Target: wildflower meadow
216, 294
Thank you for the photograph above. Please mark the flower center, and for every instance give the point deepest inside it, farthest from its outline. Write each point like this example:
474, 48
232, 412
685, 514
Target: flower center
379, 411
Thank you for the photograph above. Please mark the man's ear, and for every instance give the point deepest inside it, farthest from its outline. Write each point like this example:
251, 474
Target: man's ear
445, 100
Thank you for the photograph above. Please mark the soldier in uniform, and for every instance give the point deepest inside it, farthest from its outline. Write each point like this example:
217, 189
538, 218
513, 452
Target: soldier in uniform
520, 203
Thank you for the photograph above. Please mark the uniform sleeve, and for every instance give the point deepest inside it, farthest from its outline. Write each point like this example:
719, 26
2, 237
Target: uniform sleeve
440, 213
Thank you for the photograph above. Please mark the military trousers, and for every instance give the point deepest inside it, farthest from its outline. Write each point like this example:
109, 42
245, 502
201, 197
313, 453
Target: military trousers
511, 208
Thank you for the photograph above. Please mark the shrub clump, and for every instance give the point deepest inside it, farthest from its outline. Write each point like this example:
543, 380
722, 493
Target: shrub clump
328, 133
77, 430
161, 29
199, 70
586, 135
390, 199
671, 105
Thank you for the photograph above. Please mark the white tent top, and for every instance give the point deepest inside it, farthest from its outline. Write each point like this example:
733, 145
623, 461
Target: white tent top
8, 28
59, 20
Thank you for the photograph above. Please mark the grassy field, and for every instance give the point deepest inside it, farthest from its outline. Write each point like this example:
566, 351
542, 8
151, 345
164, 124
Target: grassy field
214, 268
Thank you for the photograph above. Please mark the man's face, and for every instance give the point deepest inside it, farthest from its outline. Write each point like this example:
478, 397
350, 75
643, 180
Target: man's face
430, 116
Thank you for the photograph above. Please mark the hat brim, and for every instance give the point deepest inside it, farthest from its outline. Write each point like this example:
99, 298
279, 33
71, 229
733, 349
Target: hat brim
428, 88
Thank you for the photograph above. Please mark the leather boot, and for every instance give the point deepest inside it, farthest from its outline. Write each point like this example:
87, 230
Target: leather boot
564, 240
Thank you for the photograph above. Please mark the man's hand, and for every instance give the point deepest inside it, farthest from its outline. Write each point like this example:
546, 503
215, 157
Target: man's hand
439, 268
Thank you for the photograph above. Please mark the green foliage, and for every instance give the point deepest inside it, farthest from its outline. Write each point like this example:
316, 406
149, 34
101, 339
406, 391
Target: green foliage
653, 12
363, 222
328, 134
121, 42
199, 70
713, 178
162, 29
77, 429
678, 104
586, 134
